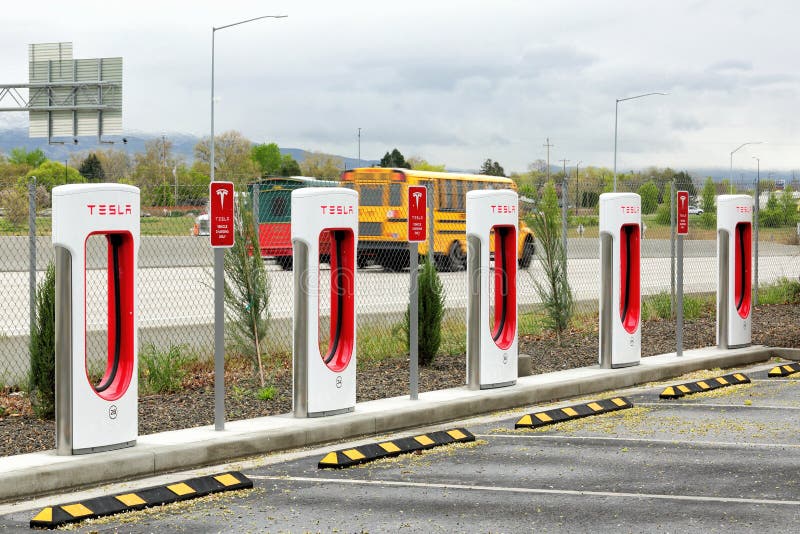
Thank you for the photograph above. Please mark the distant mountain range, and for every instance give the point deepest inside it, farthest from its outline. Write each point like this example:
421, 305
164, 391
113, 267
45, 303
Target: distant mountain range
182, 145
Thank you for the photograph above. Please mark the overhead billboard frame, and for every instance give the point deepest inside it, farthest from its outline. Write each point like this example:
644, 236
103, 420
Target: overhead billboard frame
68, 97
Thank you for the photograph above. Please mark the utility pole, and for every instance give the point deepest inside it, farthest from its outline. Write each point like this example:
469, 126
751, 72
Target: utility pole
577, 178
359, 147
564, 202
549, 146
564, 162
164, 158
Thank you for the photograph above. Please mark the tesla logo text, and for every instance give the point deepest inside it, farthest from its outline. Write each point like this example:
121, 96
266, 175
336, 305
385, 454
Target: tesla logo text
744, 209
109, 209
335, 209
503, 208
221, 194
417, 195
631, 209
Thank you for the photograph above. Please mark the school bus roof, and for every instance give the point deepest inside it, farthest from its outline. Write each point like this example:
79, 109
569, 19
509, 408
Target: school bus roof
300, 181
431, 174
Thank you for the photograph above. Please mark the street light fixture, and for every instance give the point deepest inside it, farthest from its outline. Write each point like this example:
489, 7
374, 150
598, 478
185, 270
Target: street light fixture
616, 114
219, 266
213, 33
730, 173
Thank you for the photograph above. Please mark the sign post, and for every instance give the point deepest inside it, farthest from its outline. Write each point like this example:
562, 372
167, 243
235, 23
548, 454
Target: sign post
417, 233
682, 204
220, 218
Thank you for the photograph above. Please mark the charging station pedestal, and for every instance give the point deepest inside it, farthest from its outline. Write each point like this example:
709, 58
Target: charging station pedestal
324, 384
492, 219
620, 280
94, 417
735, 263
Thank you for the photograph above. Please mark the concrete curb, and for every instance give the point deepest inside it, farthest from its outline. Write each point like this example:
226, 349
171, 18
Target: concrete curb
42, 473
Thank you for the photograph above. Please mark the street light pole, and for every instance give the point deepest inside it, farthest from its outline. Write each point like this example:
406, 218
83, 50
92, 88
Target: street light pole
756, 208
730, 173
616, 122
219, 266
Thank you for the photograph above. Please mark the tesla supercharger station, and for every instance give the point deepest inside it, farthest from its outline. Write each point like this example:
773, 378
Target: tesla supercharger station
620, 280
324, 380
93, 416
735, 262
492, 216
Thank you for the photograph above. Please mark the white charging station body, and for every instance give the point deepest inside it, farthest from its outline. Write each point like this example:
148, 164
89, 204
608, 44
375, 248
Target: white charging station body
734, 264
620, 334
324, 222
492, 349
95, 417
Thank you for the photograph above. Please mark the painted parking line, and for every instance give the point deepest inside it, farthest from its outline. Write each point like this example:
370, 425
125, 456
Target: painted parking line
646, 441
539, 491
699, 406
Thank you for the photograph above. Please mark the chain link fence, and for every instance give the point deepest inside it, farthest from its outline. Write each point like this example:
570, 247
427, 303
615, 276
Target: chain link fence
175, 276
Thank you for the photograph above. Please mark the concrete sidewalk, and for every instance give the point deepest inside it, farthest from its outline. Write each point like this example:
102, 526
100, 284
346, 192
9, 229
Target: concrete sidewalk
41, 473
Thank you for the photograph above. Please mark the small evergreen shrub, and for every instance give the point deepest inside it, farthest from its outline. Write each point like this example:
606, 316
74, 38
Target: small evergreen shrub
247, 290
42, 381
431, 296
553, 288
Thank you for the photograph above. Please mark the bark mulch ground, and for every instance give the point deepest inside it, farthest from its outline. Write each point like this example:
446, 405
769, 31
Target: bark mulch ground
21, 432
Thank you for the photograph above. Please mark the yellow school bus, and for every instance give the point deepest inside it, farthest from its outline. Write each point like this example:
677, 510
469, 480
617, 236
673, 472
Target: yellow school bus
383, 215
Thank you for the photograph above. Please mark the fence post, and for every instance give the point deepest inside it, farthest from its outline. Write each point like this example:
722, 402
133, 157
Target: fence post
672, 247
256, 223
431, 192
564, 202
32, 252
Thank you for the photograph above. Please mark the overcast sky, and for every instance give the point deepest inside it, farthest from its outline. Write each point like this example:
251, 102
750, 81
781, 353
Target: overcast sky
454, 82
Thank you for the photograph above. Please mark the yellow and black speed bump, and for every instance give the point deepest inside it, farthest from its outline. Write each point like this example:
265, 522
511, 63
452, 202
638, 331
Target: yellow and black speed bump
386, 449
61, 514
699, 386
559, 415
784, 370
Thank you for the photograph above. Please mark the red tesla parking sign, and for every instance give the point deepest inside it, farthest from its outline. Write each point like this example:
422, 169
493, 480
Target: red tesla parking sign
220, 214
683, 212
417, 213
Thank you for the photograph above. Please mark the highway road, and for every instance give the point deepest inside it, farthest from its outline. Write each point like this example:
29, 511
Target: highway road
175, 283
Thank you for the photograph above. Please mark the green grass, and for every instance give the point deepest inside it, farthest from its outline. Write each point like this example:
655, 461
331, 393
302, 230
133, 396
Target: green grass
179, 226
267, 393
163, 371
659, 306
784, 291
165, 226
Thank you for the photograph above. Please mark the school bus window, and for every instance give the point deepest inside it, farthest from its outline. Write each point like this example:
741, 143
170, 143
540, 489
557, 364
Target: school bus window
395, 194
371, 195
461, 195
279, 206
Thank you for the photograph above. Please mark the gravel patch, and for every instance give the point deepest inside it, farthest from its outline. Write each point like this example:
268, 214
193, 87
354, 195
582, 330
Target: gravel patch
21, 432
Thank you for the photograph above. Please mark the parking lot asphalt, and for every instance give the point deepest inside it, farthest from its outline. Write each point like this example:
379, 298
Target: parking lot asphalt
724, 460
